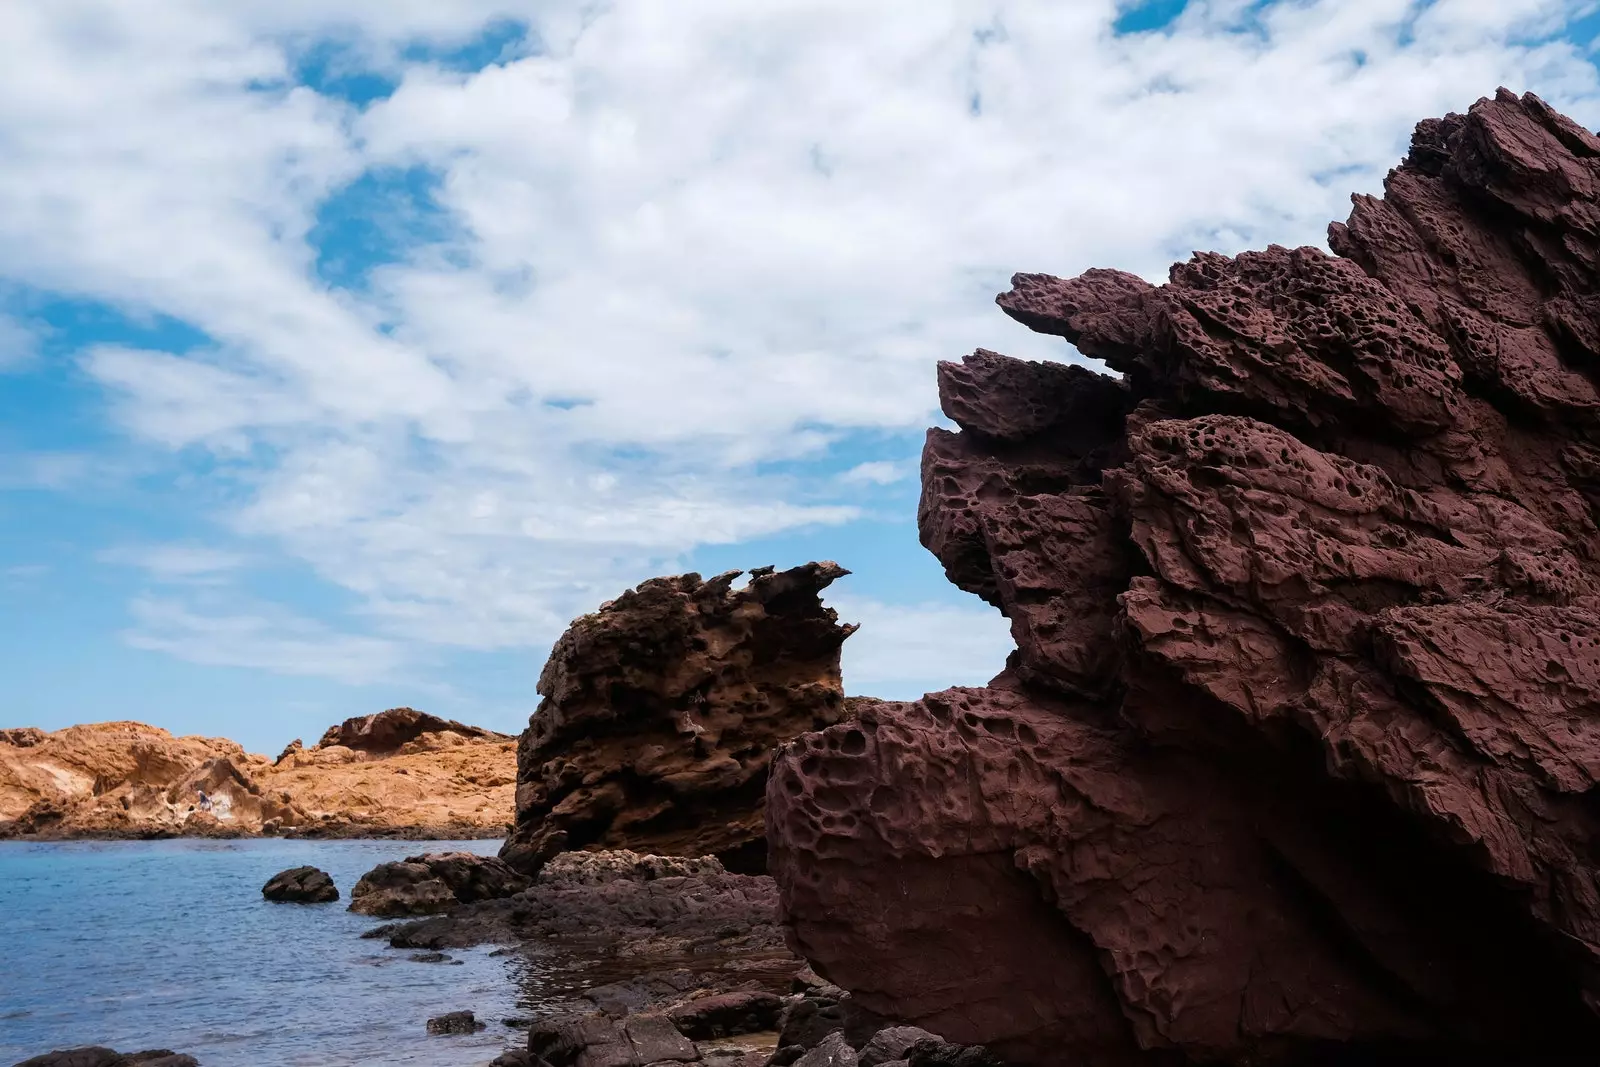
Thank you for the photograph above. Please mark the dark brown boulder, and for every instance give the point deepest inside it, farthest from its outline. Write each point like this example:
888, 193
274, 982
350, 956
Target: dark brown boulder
455, 1022
726, 1014
600, 1041
387, 731
433, 882
301, 885
1297, 758
661, 711
97, 1056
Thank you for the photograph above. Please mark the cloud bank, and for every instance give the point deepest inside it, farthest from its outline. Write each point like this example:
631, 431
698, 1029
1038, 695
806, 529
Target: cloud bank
491, 309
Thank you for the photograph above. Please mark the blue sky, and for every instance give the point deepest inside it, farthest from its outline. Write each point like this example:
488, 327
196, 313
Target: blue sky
350, 348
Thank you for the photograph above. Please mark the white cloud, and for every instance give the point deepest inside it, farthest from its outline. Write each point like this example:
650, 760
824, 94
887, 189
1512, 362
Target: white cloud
683, 240
176, 562
19, 343
266, 638
877, 472
904, 650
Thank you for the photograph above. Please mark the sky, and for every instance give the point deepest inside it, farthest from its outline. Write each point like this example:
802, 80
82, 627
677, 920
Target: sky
349, 349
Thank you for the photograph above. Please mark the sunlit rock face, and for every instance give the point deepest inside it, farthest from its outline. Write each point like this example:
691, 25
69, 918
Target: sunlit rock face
1296, 759
661, 712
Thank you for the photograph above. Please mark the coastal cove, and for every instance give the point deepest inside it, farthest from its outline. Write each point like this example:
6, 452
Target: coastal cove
146, 944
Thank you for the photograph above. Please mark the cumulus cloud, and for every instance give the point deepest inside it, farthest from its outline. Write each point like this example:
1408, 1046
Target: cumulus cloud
672, 248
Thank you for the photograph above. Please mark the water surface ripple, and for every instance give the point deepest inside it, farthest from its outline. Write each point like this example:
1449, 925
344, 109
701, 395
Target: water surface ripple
168, 944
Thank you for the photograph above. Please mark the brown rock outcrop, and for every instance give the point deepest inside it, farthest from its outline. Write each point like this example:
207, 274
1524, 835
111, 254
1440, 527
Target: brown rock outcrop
1297, 758
389, 731
413, 775
661, 711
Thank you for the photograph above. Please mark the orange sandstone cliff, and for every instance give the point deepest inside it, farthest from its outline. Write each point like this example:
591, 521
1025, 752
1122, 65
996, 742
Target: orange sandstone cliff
398, 773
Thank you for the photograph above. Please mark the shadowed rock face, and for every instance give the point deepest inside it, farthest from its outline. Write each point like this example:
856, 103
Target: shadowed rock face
661, 712
1296, 759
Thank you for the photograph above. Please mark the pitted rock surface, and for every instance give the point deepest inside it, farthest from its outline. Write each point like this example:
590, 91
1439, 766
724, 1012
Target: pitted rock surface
661, 711
1297, 758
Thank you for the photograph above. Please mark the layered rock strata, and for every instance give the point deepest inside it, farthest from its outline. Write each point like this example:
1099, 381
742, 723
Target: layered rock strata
661, 711
1296, 758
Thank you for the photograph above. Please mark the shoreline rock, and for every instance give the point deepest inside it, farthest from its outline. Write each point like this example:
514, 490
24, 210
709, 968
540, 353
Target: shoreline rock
409, 775
661, 711
99, 1056
301, 885
1297, 754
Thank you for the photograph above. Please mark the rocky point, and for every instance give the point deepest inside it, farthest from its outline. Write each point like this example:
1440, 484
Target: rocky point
661, 711
1296, 760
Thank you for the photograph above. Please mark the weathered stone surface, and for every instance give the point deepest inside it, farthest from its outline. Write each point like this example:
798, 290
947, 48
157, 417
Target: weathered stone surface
389, 731
662, 709
97, 1056
600, 1041
455, 1022
893, 1043
301, 885
831, 1051
1298, 753
726, 1014
126, 779
433, 882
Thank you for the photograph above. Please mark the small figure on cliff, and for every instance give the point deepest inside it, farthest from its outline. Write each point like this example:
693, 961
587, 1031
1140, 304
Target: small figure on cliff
205, 801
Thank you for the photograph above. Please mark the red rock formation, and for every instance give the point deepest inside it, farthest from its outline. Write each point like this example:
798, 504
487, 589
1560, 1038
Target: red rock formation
1296, 759
662, 709
388, 731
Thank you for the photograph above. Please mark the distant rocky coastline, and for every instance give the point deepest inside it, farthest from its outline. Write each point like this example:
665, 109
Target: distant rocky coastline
399, 774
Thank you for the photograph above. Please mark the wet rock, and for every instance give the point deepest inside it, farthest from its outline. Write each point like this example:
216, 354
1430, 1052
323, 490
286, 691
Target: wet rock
599, 1041
97, 1056
433, 882
517, 1057
1297, 754
433, 957
660, 714
455, 1022
726, 1014
301, 885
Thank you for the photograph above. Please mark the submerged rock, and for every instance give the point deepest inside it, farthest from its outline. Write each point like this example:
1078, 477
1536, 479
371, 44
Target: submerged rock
301, 885
1298, 753
661, 711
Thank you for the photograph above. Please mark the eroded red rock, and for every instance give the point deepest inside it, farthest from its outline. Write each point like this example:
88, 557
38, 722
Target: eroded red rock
1298, 753
661, 711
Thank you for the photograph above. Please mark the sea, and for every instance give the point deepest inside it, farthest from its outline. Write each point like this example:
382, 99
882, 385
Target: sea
169, 944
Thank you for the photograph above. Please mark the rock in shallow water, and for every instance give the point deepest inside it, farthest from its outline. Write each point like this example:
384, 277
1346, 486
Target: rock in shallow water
97, 1056
301, 885
432, 883
1298, 753
455, 1022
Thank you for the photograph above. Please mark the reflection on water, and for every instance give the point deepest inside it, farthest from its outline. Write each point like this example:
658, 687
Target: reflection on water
169, 944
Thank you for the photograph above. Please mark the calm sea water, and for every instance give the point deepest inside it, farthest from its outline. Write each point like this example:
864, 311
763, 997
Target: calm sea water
168, 944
